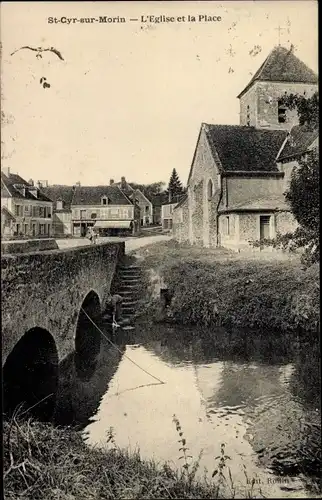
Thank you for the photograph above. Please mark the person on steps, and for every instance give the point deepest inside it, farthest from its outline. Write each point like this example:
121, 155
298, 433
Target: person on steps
114, 304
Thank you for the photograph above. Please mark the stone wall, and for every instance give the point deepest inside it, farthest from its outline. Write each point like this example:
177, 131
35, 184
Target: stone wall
285, 222
47, 289
180, 228
197, 214
246, 188
262, 98
27, 246
202, 207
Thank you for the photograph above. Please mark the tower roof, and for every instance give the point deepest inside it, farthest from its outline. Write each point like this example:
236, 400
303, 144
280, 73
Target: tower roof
282, 65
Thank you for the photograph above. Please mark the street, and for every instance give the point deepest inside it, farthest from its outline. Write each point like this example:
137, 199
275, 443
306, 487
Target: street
131, 243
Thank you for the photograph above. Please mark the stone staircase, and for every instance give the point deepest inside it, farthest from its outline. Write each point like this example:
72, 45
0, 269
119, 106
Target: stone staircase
128, 288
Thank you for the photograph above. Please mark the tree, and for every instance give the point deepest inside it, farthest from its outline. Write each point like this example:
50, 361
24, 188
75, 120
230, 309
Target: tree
149, 190
175, 189
303, 194
307, 108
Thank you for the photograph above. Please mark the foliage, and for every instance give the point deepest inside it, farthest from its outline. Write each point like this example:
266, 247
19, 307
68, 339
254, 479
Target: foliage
175, 188
216, 287
149, 190
41, 461
304, 198
303, 194
307, 108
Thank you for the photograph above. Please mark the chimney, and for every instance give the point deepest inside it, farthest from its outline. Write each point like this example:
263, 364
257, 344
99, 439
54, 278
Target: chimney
78, 184
31, 182
123, 183
39, 184
111, 182
6, 171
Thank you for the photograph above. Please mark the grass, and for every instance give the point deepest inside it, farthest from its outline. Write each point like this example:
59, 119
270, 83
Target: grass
45, 462
222, 288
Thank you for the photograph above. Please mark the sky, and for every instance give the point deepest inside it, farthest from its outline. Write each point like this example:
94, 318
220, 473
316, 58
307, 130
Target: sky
129, 98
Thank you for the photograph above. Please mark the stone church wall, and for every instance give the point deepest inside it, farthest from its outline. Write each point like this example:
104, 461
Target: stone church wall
262, 98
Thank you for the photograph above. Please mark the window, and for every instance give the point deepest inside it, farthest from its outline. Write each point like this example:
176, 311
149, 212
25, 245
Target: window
59, 205
83, 214
264, 227
248, 116
113, 212
281, 112
227, 225
104, 200
93, 215
209, 190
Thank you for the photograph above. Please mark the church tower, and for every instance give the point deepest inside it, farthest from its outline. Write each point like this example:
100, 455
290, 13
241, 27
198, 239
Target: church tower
281, 73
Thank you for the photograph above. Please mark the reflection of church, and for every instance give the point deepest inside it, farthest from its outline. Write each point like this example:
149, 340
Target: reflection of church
239, 173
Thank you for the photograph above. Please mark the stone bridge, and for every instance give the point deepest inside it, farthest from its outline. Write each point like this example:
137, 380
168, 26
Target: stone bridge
44, 296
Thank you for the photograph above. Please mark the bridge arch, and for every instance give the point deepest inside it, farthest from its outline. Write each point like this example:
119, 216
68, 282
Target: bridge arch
87, 336
30, 375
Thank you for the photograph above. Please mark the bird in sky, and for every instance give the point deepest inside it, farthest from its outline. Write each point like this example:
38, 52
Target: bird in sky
39, 50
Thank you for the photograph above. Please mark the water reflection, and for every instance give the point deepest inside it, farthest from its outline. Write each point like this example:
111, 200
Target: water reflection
257, 394
78, 396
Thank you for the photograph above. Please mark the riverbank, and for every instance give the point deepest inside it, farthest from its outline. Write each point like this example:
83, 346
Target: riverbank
45, 462
217, 287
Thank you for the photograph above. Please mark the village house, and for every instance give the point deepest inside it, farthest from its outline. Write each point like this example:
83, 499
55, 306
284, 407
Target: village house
61, 197
166, 215
26, 212
157, 202
146, 207
167, 211
105, 208
239, 173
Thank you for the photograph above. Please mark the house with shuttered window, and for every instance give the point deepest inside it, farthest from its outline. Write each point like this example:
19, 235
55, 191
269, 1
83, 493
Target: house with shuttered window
104, 208
26, 212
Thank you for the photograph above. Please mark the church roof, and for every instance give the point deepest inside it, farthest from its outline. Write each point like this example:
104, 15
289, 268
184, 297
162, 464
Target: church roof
300, 139
244, 149
282, 65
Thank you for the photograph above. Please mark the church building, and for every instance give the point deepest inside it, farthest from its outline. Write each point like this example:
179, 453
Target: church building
239, 173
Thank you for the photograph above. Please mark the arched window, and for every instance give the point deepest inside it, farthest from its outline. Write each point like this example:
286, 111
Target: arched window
210, 190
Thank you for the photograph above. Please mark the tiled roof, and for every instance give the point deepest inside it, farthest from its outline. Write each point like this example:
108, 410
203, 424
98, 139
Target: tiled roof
245, 149
181, 202
159, 199
176, 201
6, 211
14, 179
91, 195
275, 202
60, 192
127, 188
282, 65
298, 142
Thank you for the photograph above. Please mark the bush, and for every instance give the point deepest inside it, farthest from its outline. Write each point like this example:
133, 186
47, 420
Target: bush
244, 294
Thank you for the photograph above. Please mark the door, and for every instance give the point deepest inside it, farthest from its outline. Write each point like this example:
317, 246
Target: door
264, 227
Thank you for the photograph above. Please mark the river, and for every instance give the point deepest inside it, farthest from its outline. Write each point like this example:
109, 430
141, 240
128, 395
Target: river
258, 395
